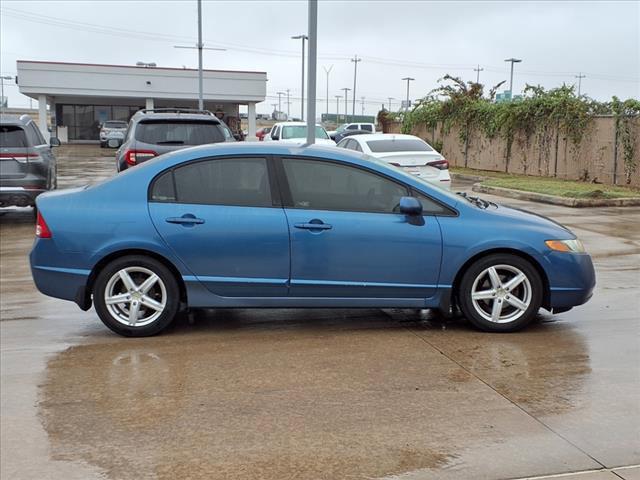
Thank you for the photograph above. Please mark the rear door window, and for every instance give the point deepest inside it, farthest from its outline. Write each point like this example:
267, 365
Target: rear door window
230, 181
179, 132
368, 128
12, 136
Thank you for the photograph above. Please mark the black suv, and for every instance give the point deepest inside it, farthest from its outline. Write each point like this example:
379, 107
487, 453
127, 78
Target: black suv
27, 164
162, 130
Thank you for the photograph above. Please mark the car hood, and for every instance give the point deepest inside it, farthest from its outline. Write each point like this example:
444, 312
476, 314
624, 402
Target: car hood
531, 219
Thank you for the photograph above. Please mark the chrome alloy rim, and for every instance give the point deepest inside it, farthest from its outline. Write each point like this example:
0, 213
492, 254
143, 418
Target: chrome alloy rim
135, 296
501, 294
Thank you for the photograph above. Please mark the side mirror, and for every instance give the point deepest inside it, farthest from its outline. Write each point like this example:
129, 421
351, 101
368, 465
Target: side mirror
54, 142
410, 206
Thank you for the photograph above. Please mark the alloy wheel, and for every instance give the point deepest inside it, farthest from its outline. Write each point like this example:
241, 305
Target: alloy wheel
501, 293
135, 296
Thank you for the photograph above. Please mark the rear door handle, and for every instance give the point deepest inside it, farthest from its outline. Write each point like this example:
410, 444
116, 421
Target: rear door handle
313, 226
187, 219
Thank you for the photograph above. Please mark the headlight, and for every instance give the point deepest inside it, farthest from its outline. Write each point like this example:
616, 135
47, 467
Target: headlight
574, 246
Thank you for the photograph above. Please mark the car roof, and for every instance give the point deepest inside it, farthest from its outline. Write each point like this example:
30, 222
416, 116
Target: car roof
161, 114
294, 124
12, 119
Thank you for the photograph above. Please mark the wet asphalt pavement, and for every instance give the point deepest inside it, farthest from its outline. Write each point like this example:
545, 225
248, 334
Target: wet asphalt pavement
322, 394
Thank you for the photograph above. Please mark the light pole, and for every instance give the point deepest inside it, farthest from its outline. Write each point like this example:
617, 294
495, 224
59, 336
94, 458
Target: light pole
478, 75
390, 98
312, 28
200, 47
580, 76
2, 79
328, 71
355, 61
512, 60
279, 101
346, 90
407, 79
303, 38
288, 105
338, 97
362, 98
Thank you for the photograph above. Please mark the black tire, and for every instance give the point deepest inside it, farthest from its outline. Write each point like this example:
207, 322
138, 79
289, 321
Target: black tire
502, 260
167, 278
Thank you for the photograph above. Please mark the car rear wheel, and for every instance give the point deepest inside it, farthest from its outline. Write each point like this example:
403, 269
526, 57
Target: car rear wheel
136, 296
500, 293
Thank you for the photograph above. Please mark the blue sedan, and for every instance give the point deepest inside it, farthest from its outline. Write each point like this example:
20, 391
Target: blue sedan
278, 225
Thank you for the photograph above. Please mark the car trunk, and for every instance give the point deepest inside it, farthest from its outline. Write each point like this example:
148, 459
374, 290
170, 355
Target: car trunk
410, 159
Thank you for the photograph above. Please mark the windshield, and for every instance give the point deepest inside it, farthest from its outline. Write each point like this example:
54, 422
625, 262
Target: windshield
300, 131
399, 145
115, 124
180, 132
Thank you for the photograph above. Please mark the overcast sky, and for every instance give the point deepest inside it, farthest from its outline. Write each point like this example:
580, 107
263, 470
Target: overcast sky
424, 40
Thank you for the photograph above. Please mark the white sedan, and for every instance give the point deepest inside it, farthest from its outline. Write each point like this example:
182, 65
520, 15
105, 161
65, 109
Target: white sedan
408, 152
296, 132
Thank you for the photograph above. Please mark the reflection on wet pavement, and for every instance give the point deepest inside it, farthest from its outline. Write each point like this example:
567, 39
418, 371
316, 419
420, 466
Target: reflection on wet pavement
321, 394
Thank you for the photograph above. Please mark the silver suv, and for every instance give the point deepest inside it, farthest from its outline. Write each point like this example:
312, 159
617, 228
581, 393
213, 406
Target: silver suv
27, 164
161, 130
112, 129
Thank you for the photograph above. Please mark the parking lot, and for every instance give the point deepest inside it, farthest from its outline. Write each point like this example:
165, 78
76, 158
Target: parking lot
323, 394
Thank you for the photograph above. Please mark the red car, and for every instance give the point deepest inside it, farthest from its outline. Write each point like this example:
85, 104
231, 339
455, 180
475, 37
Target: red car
262, 132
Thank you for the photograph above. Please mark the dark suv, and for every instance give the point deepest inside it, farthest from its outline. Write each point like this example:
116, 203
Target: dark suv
162, 130
27, 164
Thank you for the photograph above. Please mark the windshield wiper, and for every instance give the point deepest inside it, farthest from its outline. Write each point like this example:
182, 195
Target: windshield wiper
171, 142
477, 201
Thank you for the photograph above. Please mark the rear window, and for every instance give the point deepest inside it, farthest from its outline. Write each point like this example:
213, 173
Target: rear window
12, 136
399, 145
115, 124
179, 132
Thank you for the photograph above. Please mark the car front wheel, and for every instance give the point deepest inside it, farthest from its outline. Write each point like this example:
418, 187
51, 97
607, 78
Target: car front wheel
136, 296
501, 293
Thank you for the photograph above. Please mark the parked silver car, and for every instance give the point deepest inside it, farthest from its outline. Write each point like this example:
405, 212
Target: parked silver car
161, 130
113, 130
27, 164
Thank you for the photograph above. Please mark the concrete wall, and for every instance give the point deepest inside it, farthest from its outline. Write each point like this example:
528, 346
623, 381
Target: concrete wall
544, 154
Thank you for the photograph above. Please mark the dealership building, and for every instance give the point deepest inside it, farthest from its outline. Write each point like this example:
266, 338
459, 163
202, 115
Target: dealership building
81, 96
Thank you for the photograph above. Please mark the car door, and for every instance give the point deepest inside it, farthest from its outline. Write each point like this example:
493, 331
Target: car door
347, 239
223, 219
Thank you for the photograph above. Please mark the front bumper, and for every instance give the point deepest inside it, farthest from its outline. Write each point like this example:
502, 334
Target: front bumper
572, 279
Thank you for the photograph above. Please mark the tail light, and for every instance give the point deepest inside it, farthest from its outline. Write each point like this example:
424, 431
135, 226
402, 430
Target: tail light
42, 229
440, 164
133, 157
20, 157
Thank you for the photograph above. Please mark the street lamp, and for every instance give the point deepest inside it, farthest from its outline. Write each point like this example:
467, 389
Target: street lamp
407, 79
328, 71
303, 38
512, 60
346, 90
338, 97
2, 79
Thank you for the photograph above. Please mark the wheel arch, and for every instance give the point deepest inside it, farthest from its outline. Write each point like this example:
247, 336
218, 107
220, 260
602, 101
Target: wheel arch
134, 251
511, 251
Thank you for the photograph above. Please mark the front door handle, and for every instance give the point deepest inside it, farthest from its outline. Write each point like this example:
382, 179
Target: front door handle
313, 226
186, 219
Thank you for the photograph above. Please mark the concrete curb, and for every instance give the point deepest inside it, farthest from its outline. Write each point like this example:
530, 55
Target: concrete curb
553, 200
468, 178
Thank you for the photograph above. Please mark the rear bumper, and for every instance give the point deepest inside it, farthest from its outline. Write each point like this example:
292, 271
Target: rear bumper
19, 196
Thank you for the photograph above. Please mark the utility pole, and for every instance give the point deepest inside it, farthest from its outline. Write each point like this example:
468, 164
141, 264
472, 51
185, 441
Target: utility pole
2, 79
355, 61
580, 76
313, 63
303, 38
512, 60
338, 97
288, 106
362, 98
328, 71
390, 98
279, 101
408, 79
346, 90
275, 105
478, 75
200, 47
